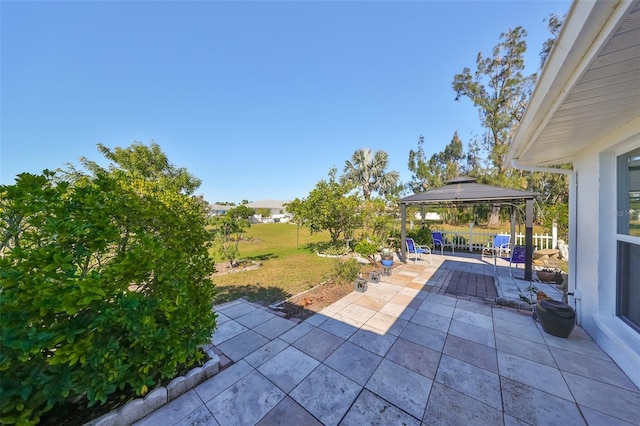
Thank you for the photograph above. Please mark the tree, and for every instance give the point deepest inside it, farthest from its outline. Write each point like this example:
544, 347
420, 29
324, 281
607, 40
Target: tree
500, 91
149, 162
105, 285
441, 167
422, 177
329, 207
368, 171
554, 24
235, 221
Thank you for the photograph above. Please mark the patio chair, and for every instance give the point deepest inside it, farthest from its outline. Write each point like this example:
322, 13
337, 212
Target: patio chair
517, 257
417, 250
498, 246
438, 240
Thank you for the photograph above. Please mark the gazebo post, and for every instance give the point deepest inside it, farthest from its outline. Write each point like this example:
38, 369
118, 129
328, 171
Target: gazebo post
528, 241
403, 232
512, 241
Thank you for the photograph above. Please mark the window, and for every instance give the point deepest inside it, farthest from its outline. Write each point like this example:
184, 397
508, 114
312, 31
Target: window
628, 211
628, 248
629, 283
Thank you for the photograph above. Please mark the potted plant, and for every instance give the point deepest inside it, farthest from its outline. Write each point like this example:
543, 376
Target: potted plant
386, 257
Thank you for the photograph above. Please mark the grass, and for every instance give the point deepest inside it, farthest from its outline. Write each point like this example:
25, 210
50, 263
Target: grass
289, 266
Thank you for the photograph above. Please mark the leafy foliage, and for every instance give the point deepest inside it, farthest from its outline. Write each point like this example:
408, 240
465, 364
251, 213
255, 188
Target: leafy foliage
147, 162
560, 214
367, 249
329, 207
330, 248
500, 91
422, 236
104, 286
367, 170
347, 270
440, 167
227, 230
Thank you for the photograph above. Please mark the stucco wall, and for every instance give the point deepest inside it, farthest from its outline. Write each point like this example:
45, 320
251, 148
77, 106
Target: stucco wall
595, 251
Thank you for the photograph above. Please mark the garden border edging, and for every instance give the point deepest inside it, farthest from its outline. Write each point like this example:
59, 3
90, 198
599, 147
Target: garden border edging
139, 408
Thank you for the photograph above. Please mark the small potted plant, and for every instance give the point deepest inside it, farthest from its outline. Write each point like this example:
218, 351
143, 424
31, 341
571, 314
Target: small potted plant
386, 257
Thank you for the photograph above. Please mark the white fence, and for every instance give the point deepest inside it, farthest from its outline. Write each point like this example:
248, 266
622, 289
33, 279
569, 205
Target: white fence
476, 240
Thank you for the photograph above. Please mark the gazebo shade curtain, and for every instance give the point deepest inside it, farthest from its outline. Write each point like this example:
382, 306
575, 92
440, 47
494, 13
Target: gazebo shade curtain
465, 190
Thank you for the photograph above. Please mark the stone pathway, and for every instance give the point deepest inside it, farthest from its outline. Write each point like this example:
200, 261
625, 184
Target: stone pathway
404, 352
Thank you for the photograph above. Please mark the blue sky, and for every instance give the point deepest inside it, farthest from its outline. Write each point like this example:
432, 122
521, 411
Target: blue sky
257, 99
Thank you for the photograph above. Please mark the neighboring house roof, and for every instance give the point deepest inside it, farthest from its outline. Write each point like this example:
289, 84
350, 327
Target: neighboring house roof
465, 190
267, 204
220, 207
589, 86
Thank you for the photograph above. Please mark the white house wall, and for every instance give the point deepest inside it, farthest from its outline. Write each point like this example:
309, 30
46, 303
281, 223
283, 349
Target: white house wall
595, 251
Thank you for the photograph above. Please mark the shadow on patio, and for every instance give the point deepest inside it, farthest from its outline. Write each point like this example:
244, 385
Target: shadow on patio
407, 352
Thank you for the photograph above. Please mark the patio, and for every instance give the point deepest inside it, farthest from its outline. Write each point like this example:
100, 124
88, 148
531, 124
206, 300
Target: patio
407, 352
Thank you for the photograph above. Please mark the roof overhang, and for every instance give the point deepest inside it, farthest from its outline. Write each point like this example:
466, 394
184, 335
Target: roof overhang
589, 87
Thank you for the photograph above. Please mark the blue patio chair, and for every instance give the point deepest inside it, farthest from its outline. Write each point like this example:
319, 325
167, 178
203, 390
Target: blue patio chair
417, 250
517, 257
438, 240
498, 246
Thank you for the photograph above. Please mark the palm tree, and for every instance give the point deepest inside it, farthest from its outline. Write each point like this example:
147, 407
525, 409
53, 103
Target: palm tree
367, 170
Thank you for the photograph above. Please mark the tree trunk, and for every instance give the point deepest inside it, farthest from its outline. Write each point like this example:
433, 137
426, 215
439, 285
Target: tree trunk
494, 216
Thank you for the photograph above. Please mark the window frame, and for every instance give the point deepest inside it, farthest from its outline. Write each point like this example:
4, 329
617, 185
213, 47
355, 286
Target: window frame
622, 193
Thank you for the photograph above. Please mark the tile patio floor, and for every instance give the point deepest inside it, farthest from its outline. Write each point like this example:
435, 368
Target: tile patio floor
405, 352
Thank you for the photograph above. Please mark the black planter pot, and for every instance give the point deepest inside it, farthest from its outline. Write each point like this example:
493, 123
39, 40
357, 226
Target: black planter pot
556, 318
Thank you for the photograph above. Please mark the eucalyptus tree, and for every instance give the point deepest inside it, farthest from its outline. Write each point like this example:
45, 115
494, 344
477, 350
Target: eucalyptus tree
500, 90
367, 170
441, 166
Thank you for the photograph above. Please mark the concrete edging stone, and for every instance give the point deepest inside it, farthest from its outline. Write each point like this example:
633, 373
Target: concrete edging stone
142, 407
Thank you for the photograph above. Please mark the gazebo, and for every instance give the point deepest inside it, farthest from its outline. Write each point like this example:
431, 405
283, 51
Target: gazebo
465, 190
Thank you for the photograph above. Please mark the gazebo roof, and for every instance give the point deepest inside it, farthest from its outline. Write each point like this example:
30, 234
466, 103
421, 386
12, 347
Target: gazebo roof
464, 189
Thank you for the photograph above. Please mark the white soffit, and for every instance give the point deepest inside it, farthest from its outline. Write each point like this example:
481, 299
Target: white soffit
589, 87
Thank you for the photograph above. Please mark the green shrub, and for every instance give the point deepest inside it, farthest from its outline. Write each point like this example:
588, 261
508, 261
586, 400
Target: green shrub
560, 213
104, 285
394, 239
330, 248
367, 249
422, 236
458, 240
347, 270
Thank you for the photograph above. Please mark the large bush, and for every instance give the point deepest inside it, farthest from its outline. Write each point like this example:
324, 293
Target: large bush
422, 236
104, 285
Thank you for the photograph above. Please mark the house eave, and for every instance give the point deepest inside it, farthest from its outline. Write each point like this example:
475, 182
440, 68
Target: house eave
595, 53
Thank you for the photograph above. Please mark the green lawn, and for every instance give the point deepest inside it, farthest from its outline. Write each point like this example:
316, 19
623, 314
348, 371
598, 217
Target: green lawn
289, 267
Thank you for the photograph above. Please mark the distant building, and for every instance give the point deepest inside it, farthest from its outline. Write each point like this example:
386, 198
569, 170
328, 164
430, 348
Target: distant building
219, 209
277, 211
428, 216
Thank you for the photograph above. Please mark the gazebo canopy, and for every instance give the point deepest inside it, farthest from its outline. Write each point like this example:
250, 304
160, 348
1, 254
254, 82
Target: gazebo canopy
464, 189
